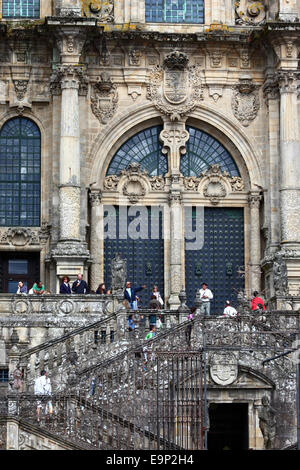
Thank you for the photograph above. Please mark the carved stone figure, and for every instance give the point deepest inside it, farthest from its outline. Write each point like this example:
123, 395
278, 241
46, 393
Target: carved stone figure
118, 273
267, 423
17, 383
280, 278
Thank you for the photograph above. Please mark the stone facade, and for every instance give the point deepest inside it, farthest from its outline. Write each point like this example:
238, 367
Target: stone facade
91, 76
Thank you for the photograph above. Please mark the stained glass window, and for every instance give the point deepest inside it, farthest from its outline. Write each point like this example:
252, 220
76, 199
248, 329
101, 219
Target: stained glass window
20, 173
203, 150
20, 8
143, 148
175, 11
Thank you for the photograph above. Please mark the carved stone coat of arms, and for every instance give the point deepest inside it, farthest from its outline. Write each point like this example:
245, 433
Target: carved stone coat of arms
223, 368
175, 88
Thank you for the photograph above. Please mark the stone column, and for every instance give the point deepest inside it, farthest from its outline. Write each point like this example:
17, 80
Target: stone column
289, 160
254, 199
174, 137
96, 238
69, 189
176, 246
271, 209
69, 80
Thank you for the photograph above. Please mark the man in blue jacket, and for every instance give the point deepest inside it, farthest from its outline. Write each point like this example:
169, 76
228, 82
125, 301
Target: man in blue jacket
80, 286
130, 294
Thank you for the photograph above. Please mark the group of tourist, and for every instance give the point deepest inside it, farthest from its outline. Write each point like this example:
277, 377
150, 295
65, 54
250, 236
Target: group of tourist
80, 286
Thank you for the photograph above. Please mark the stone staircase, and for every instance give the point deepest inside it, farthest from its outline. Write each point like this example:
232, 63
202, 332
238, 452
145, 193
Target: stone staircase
105, 396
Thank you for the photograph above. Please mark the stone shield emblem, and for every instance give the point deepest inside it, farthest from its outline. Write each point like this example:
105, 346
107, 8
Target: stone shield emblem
223, 368
175, 86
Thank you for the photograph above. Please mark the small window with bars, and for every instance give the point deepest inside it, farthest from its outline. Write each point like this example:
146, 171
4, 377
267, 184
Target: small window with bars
175, 11
3, 375
20, 8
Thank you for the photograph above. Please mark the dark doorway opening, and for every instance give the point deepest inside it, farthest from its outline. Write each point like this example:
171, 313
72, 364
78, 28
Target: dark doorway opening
228, 426
15, 267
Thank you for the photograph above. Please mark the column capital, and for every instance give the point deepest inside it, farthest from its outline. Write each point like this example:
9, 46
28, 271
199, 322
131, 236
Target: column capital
69, 76
175, 197
95, 197
254, 198
288, 80
271, 88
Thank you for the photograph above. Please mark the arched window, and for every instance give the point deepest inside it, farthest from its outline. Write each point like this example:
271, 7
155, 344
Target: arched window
175, 11
203, 150
143, 148
20, 8
20, 173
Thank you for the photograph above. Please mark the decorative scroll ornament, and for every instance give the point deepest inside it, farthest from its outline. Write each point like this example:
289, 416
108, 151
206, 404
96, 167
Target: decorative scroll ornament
176, 88
105, 99
111, 182
250, 12
214, 183
245, 101
103, 10
73, 73
191, 183
223, 368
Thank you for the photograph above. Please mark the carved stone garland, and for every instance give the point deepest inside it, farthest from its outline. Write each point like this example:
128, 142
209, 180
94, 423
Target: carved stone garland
175, 89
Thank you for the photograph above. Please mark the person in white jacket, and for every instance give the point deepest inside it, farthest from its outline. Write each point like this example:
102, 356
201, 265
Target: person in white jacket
206, 295
42, 386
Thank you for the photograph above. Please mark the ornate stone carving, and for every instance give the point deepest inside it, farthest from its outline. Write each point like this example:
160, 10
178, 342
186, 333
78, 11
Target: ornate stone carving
111, 182
249, 12
105, 98
21, 306
215, 58
237, 184
118, 273
176, 88
223, 368
270, 88
214, 190
69, 76
65, 306
280, 277
254, 199
174, 137
157, 183
245, 101
69, 211
191, 183
20, 88
174, 197
216, 92
288, 81
134, 187
134, 56
95, 198
21, 236
102, 10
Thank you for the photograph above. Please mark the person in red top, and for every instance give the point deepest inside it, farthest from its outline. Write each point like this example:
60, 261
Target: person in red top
257, 302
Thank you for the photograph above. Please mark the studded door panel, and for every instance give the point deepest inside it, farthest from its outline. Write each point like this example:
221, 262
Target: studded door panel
218, 262
145, 256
